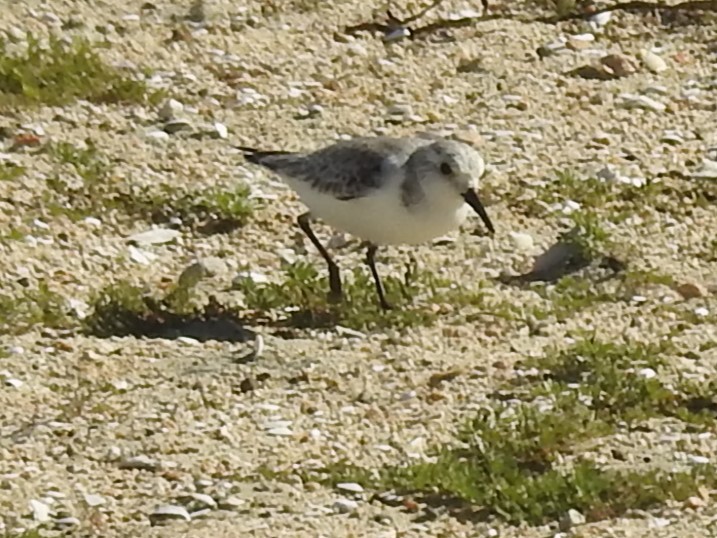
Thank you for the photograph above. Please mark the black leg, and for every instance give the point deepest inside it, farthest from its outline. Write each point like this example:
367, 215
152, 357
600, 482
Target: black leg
304, 222
371, 261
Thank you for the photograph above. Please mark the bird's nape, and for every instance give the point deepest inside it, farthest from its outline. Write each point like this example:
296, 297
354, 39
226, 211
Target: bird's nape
472, 200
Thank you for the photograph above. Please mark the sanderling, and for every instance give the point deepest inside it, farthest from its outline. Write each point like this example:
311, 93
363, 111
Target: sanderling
382, 190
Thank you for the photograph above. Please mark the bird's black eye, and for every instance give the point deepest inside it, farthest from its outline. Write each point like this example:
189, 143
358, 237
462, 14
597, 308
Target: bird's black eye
446, 169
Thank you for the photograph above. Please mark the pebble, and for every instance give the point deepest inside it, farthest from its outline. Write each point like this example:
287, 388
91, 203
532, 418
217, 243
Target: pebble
280, 432
689, 290
231, 503
647, 373
66, 522
571, 519
200, 501
631, 101
219, 130
708, 170
345, 506
139, 256
522, 241
40, 511
618, 64
155, 236
652, 61
157, 136
92, 221
600, 19
176, 125
170, 109
141, 463
353, 487
580, 42
673, 138
94, 500
168, 512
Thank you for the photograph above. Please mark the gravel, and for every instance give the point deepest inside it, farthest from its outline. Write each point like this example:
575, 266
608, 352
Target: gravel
160, 437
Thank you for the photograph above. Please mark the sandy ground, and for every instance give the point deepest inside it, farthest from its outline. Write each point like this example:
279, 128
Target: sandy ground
85, 405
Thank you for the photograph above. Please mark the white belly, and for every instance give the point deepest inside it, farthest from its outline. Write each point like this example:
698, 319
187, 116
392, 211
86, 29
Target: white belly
382, 219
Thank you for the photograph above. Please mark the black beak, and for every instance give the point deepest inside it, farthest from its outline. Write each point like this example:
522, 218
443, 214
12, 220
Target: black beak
472, 200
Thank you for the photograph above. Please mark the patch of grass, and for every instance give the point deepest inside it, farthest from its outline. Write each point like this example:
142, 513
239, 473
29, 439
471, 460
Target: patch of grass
616, 199
123, 309
92, 189
60, 73
209, 211
30, 307
302, 296
522, 459
10, 171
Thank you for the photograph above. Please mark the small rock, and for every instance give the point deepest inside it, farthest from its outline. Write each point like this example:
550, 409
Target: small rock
619, 64
571, 519
155, 236
139, 256
689, 290
170, 109
281, 431
647, 373
353, 487
169, 512
12, 382
695, 502
92, 221
345, 506
600, 19
708, 170
673, 138
40, 511
396, 34
200, 501
231, 503
191, 275
94, 500
157, 136
652, 61
641, 101
592, 72
66, 522
141, 463
522, 241
219, 130
197, 12
580, 42
176, 125
697, 460
399, 109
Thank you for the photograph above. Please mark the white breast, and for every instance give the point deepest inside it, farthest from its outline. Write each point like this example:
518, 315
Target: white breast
382, 219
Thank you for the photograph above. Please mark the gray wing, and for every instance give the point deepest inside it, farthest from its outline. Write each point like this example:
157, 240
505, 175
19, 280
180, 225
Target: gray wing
346, 170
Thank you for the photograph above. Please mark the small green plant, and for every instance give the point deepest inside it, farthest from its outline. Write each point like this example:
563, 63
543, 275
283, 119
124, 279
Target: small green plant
209, 211
61, 72
512, 458
89, 192
10, 171
303, 296
124, 309
30, 307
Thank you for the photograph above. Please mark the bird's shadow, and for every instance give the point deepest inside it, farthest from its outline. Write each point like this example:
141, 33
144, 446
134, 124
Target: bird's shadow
563, 258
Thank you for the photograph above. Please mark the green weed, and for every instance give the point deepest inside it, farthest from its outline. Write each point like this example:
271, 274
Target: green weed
61, 72
30, 307
302, 296
510, 460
